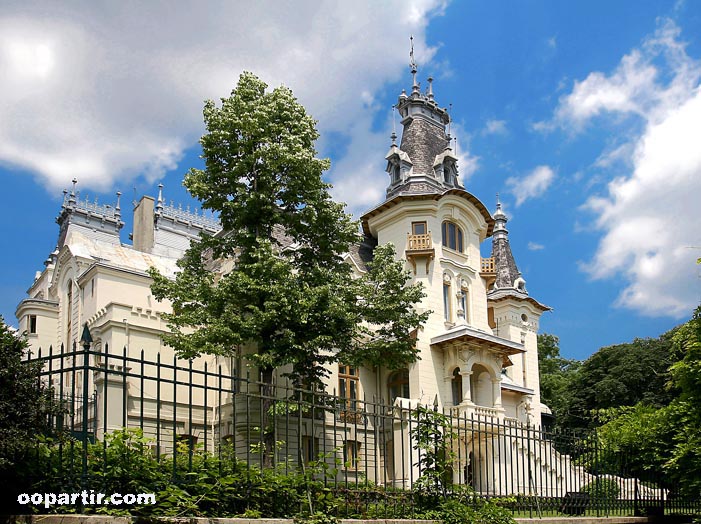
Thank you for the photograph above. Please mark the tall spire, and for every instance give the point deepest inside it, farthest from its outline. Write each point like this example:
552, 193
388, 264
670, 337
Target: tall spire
508, 275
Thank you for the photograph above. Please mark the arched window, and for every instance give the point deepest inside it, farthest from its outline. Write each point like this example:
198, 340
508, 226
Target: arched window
456, 385
452, 236
398, 384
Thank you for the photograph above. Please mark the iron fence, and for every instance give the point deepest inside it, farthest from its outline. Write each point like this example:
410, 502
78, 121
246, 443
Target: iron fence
379, 458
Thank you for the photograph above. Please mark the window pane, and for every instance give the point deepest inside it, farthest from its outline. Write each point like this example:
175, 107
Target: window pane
444, 235
418, 228
459, 240
451, 236
446, 302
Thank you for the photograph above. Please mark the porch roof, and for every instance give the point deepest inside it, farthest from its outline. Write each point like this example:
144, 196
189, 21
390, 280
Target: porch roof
466, 335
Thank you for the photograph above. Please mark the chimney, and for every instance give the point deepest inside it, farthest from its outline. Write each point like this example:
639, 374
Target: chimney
144, 225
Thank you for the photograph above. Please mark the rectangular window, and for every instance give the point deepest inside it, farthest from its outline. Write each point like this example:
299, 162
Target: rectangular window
310, 448
92, 288
348, 380
418, 228
351, 454
446, 302
32, 324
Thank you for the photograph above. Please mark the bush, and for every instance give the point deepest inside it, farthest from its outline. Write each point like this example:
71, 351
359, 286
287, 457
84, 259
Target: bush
602, 490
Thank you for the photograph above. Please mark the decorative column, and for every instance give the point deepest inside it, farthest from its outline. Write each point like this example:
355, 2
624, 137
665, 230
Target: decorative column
466, 392
496, 392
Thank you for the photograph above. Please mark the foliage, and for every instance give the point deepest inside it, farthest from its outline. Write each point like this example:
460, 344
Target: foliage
685, 411
473, 511
203, 484
26, 405
616, 376
431, 435
633, 439
602, 490
556, 373
664, 441
275, 280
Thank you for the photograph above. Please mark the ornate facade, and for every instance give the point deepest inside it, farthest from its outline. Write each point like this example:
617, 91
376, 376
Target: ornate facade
478, 349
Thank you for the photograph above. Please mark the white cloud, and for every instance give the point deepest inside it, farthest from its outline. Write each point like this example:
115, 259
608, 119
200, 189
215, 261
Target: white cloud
109, 92
495, 127
635, 86
532, 185
534, 246
649, 216
467, 162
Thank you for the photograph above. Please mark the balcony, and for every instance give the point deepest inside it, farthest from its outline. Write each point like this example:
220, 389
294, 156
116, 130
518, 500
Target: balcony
488, 266
475, 413
419, 247
488, 270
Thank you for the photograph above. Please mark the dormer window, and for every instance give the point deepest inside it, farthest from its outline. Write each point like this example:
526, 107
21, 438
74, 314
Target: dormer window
395, 173
452, 236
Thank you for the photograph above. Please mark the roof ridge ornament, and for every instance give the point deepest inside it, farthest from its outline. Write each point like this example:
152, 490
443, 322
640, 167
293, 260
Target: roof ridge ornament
414, 68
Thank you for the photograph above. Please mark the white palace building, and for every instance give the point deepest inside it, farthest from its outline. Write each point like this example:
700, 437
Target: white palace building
478, 349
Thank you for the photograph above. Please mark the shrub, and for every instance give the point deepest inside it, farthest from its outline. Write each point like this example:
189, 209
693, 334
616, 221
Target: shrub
602, 490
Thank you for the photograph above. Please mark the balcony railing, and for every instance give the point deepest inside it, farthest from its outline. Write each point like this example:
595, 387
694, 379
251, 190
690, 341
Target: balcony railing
419, 242
472, 411
488, 266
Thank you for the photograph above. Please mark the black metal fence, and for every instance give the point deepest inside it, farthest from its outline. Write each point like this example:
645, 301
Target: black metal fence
378, 458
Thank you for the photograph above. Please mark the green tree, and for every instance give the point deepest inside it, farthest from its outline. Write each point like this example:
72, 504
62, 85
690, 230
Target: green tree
685, 410
285, 293
25, 403
663, 442
556, 373
25, 409
619, 375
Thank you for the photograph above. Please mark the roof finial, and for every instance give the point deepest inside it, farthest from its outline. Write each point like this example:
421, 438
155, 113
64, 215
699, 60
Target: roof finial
450, 119
414, 68
71, 197
430, 88
118, 207
498, 203
393, 136
159, 203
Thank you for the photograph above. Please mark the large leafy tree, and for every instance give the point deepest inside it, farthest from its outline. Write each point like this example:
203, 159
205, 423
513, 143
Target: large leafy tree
282, 287
556, 374
664, 442
616, 376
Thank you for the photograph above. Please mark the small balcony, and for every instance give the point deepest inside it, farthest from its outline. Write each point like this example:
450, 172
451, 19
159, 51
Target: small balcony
488, 270
419, 247
488, 267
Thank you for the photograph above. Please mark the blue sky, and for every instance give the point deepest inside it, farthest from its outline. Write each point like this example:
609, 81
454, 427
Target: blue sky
584, 116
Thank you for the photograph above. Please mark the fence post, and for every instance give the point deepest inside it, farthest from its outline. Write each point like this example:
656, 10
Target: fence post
85, 340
